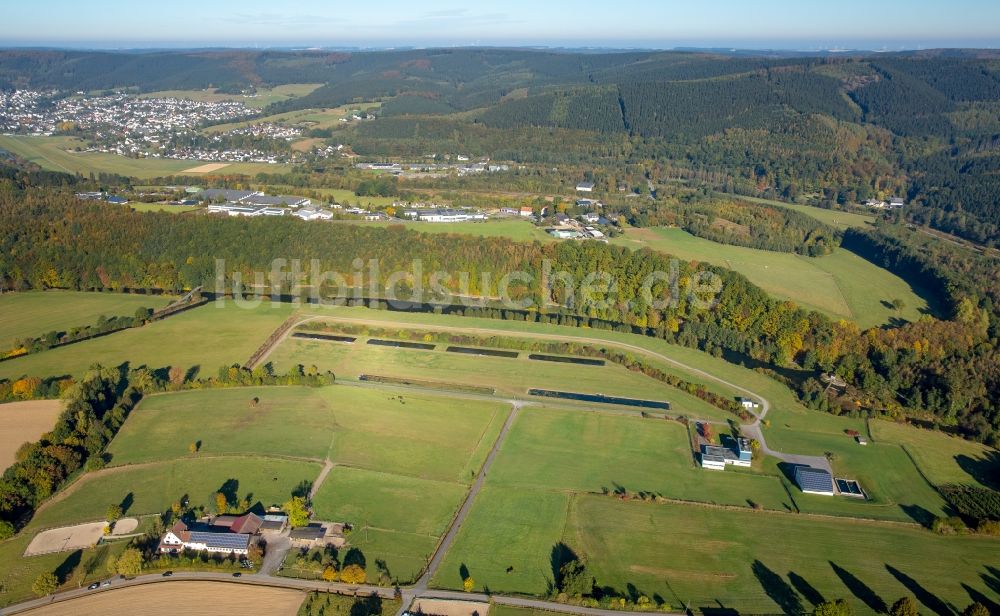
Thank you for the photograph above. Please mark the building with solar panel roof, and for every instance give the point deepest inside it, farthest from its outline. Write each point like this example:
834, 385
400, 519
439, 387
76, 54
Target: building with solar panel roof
180, 538
814, 480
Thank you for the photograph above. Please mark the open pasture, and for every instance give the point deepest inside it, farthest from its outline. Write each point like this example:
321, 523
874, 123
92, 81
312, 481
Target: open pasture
33, 313
258, 100
715, 558
302, 118
265, 421
59, 154
598, 452
834, 218
842, 284
419, 435
396, 518
152, 488
24, 422
895, 487
508, 376
208, 337
943, 459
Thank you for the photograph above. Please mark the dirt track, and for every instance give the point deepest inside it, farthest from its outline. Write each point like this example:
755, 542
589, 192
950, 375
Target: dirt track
189, 598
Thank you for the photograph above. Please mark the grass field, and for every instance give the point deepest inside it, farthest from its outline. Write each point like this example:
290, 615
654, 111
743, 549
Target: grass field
837, 220
162, 207
598, 452
207, 336
22, 422
507, 527
517, 230
200, 599
943, 459
843, 285
887, 474
508, 376
397, 519
73, 569
287, 421
153, 487
33, 313
260, 99
714, 559
56, 154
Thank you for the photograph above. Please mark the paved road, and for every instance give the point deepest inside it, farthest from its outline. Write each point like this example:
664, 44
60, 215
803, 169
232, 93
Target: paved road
420, 589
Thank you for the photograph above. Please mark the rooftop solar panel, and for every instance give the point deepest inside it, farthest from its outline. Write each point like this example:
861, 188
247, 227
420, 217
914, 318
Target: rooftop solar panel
221, 540
814, 479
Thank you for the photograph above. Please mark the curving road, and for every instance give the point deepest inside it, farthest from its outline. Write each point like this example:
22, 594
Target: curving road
420, 588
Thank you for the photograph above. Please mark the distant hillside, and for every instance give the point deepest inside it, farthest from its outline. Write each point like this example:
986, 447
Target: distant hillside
923, 125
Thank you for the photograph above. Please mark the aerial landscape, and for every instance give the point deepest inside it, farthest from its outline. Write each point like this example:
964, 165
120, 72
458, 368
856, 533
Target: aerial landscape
500, 310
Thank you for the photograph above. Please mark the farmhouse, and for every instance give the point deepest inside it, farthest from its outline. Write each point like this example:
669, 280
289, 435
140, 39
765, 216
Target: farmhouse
717, 457
585, 187
317, 535
180, 538
590, 217
814, 480
748, 403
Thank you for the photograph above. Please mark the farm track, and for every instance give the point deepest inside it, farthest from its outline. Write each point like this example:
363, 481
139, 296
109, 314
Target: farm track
420, 588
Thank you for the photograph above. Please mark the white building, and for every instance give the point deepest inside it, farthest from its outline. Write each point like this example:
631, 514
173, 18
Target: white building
585, 187
179, 538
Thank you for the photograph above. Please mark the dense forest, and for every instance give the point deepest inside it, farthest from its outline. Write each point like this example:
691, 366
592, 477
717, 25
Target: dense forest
944, 370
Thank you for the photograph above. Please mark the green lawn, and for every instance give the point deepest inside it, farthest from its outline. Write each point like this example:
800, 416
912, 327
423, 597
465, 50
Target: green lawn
508, 376
843, 285
943, 459
412, 433
209, 336
56, 153
596, 452
162, 207
33, 313
512, 528
397, 519
74, 569
887, 474
517, 230
287, 421
313, 118
155, 486
711, 558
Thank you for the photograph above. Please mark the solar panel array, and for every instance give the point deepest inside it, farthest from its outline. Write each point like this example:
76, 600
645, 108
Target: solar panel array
813, 479
230, 541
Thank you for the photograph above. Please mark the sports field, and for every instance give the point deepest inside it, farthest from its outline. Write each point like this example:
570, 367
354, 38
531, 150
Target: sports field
199, 599
208, 337
23, 422
57, 154
508, 376
33, 313
842, 284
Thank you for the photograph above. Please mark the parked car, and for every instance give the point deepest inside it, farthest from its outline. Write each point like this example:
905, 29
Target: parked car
94, 586
167, 573
237, 574
106, 584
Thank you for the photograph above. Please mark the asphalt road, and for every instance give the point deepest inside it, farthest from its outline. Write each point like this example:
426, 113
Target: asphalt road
420, 589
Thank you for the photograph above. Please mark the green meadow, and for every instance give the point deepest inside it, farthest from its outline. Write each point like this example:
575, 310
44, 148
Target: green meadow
842, 284
33, 313
207, 337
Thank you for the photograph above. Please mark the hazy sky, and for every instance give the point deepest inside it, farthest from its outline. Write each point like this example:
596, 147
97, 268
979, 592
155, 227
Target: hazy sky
793, 24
